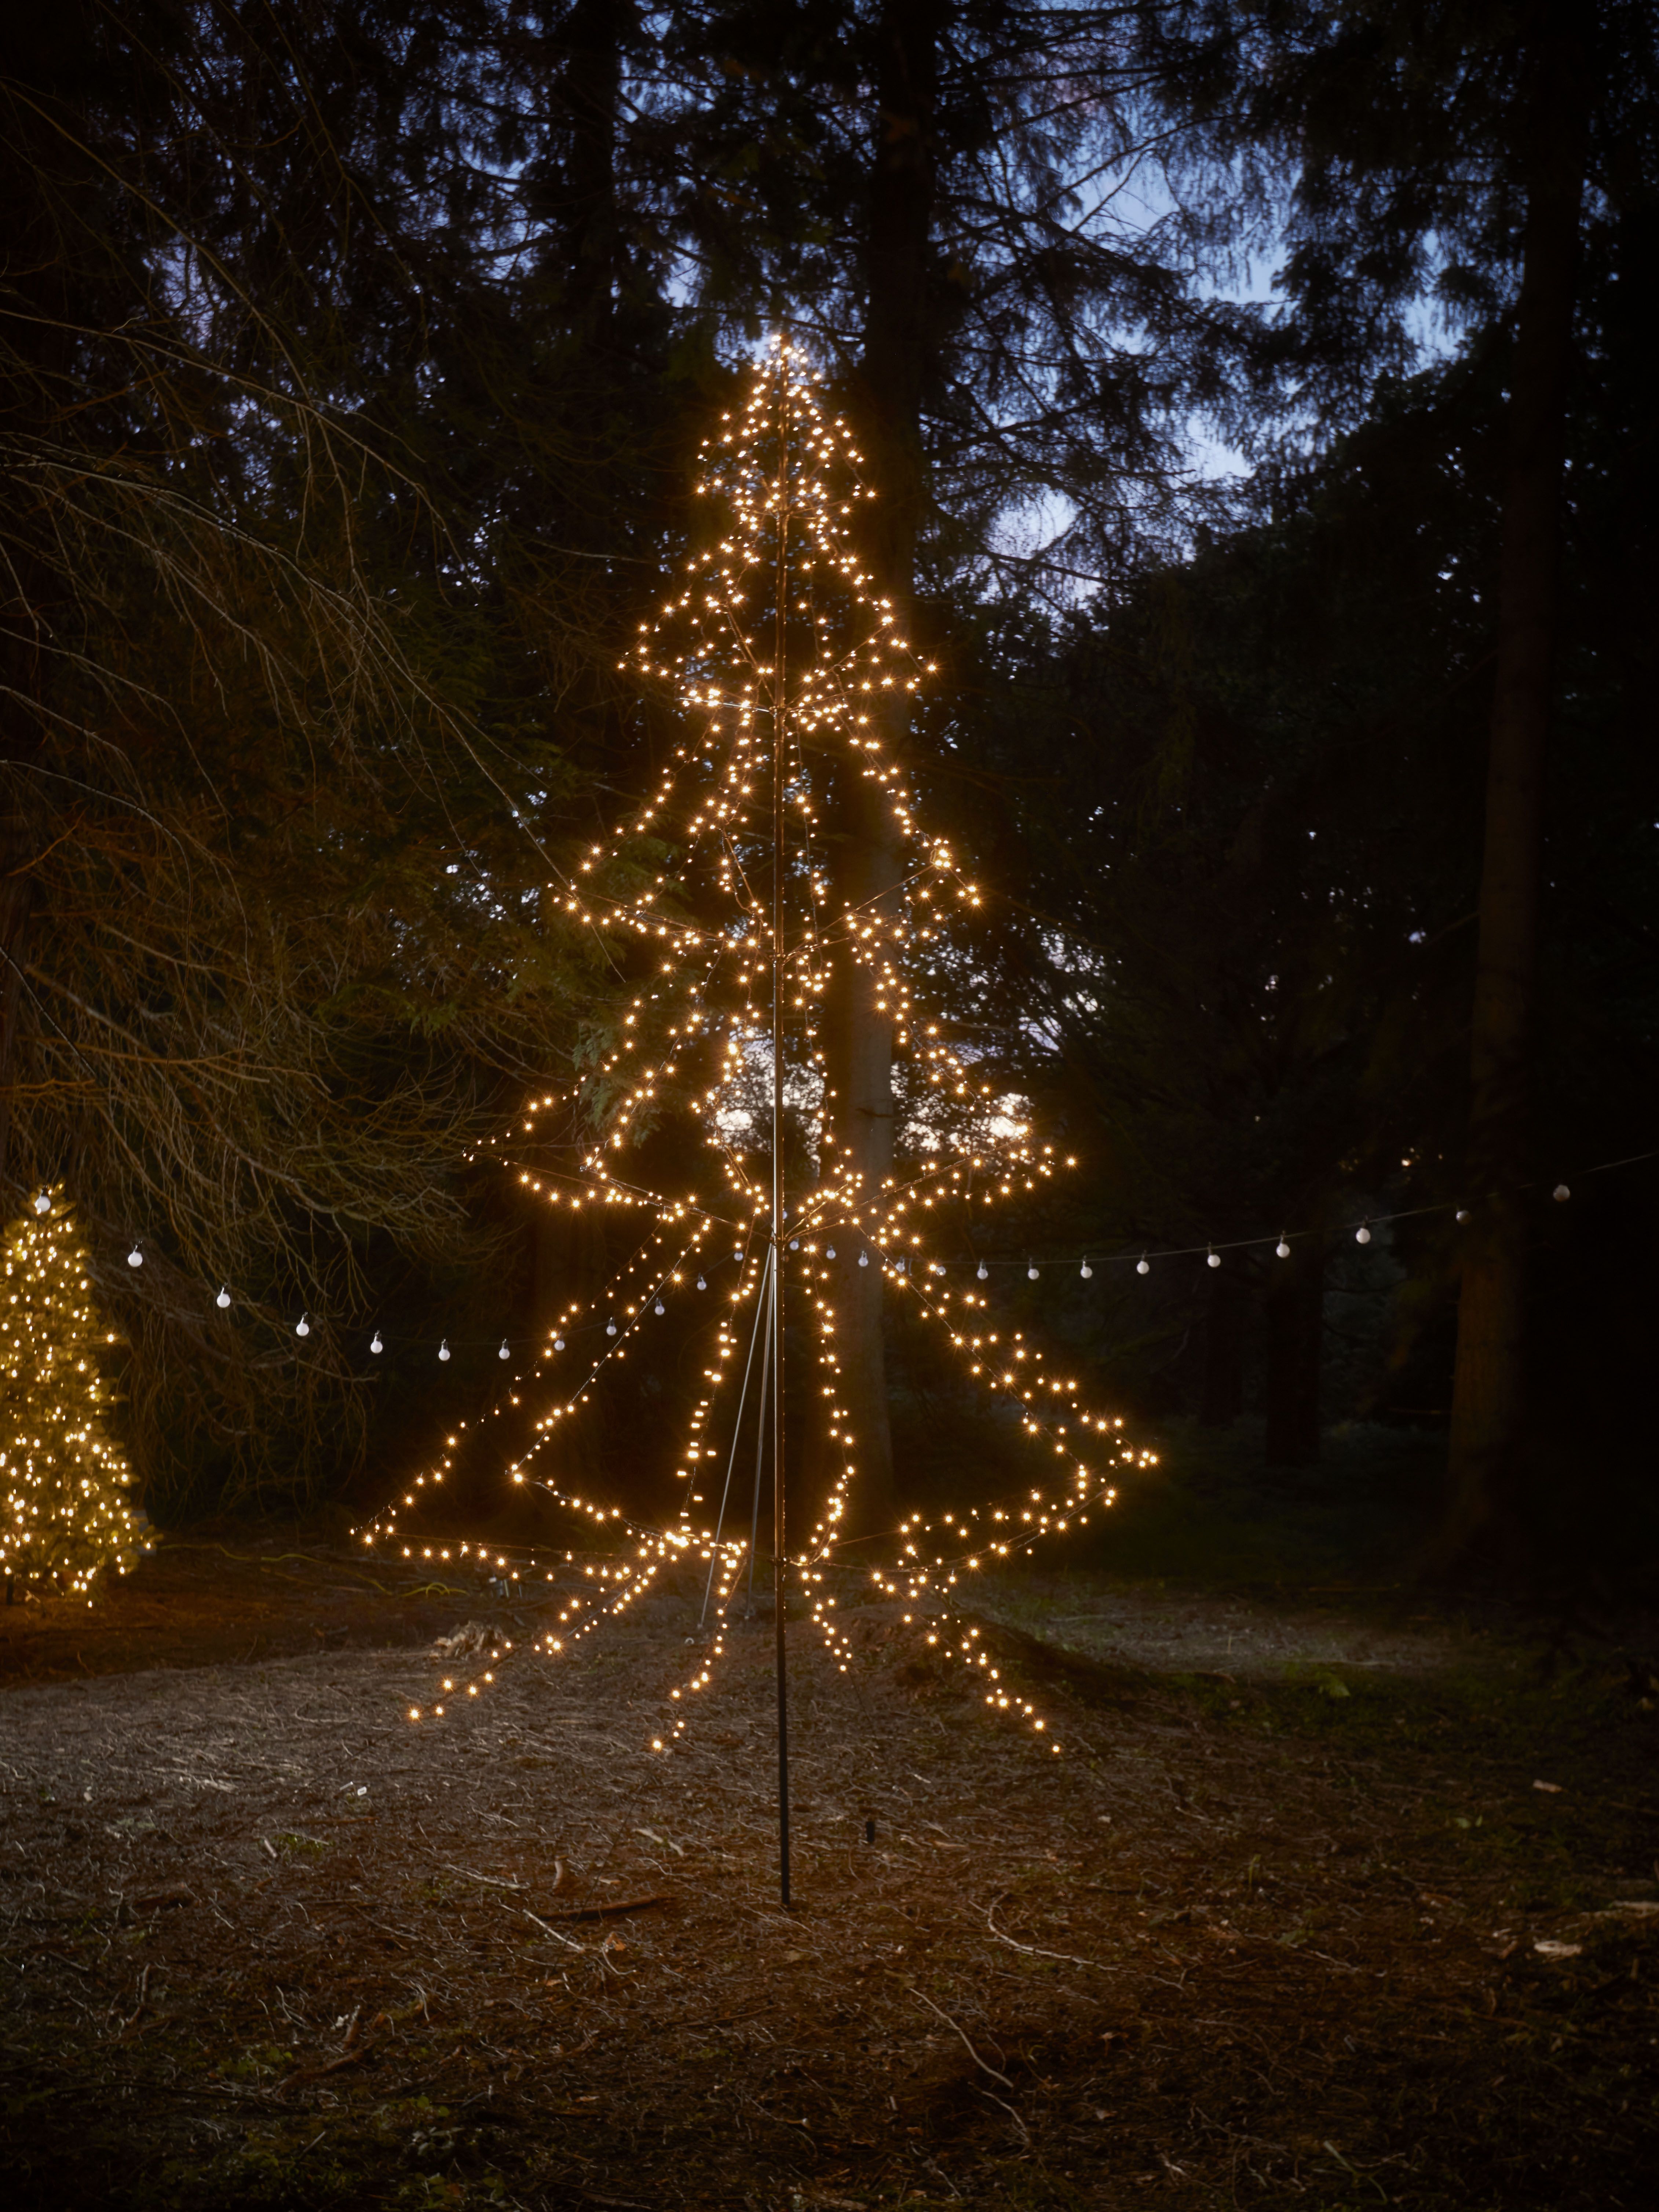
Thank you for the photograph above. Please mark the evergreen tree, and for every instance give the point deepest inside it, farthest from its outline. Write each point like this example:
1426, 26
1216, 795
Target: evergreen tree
1233, 806
1240, 813
1460, 152
63, 1479
276, 791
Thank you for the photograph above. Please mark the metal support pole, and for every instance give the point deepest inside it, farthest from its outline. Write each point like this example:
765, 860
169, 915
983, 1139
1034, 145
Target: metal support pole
781, 513
756, 1335
760, 1423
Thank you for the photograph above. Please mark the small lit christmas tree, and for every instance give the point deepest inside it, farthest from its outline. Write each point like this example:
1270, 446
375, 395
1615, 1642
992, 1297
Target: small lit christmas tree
64, 1480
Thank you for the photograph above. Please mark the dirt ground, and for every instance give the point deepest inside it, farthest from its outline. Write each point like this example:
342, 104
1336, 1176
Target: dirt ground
1329, 1901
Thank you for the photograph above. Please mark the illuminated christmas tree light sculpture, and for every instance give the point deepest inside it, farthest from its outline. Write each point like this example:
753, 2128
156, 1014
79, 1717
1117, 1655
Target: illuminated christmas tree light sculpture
780, 657
63, 1510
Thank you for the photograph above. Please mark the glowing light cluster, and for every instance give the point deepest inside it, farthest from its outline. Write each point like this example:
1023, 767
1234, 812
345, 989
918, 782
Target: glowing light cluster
783, 658
64, 1515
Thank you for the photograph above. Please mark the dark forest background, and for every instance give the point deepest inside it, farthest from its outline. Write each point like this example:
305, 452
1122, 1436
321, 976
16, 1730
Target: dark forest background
353, 360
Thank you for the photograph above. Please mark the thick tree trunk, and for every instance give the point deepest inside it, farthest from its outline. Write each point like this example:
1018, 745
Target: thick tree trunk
54, 53
589, 93
1488, 1396
16, 905
857, 1113
1295, 1310
1222, 1398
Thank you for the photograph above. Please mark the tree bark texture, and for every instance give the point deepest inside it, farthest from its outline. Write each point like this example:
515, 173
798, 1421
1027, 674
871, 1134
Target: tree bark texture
864, 851
587, 98
1294, 1308
1488, 1391
1222, 1396
43, 184
16, 905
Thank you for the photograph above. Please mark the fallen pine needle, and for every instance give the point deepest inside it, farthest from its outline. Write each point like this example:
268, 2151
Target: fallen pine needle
607, 1912
489, 1881
354, 2051
1035, 1950
967, 2046
546, 1930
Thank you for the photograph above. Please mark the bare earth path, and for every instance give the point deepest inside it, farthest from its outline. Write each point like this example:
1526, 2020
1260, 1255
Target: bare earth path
1288, 1921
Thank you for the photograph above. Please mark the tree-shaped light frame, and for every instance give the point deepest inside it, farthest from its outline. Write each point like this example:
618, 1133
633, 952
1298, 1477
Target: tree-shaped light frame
782, 659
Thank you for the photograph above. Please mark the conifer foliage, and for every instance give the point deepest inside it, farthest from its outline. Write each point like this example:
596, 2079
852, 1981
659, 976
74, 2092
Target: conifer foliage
64, 1516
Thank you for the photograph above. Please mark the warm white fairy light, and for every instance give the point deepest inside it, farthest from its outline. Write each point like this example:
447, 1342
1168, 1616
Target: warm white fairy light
63, 1479
780, 487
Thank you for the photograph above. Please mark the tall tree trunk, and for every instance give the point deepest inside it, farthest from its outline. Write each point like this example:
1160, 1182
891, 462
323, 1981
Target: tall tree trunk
1488, 1398
40, 174
589, 95
16, 905
1221, 1397
1295, 1309
858, 1045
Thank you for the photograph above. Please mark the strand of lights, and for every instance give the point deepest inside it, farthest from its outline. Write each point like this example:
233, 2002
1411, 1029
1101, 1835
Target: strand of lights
386, 1526
616, 1586
627, 1582
996, 1694
990, 1532
731, 1556
1085, 1263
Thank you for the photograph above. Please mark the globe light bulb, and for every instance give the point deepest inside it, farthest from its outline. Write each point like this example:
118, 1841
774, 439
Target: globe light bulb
302, 1327
1282, 1248
223, 1299
610, 1328
1561, 1194
1362, 1234
1143, 1265
864, 1259
43, 1201
374, 1343
135, 1258
1031, 1272
1086, 1272
558, 1344
984, 1272
443, 1349
659, 1306
503, 1354
829, 1251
